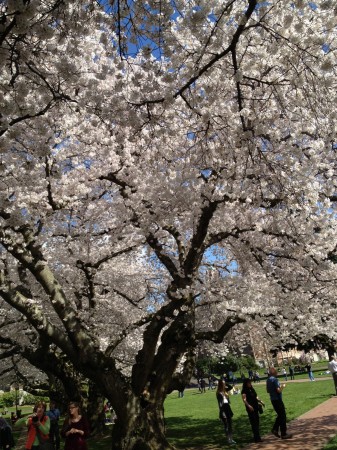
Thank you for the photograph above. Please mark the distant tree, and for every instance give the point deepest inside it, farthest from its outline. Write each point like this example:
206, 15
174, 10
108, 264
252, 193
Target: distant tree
248, 362
44, 371
8, 399
235, 363
206, 365
316, 343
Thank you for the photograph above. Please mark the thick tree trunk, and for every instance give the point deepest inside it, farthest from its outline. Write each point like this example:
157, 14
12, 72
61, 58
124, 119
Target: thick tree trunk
143, 431
140, 415
95, 409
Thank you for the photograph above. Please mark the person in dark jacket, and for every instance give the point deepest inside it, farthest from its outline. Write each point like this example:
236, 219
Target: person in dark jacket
54, 433
75, 429
252, 401
6, 437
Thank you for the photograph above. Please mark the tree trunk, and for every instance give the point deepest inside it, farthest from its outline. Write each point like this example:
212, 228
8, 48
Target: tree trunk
95, 410
142, 431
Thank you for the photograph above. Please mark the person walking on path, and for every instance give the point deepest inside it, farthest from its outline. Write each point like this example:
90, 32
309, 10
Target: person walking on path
251, 401
274, 390
292, 373
332, 367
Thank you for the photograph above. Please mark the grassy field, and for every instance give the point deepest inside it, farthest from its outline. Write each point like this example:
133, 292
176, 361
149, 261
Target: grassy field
192, 421
318, 368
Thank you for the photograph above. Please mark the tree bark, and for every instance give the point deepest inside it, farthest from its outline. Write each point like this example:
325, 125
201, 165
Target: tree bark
95, 409
144, 430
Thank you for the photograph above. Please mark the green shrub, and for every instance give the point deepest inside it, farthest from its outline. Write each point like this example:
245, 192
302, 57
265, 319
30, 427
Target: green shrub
8, 399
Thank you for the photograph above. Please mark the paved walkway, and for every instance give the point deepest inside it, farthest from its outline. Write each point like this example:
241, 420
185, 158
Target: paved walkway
311, 431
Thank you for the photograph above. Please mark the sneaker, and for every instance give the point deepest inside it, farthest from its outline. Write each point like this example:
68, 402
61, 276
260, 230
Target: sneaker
275, 433
231, 442
287, 436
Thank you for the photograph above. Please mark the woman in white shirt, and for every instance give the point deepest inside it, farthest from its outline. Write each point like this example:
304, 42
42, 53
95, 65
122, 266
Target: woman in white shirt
225, 411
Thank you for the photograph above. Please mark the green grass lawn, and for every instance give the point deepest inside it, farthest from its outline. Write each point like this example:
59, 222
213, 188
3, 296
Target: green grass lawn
193, 421
318, 369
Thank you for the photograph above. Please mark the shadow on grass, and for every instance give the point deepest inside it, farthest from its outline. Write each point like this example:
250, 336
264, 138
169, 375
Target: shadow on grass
184, 432
322, 397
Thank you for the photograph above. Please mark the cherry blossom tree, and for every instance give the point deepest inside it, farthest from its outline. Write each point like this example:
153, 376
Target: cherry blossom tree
174, 177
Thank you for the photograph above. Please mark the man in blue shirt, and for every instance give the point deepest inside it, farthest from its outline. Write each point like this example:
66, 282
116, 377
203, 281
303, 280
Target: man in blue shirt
54, 433
274, 389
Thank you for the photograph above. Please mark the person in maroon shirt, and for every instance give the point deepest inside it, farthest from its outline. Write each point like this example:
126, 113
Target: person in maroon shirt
75, 429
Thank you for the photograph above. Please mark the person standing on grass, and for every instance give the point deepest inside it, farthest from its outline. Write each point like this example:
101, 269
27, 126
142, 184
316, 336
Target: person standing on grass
202, 385
274, 389
54, 433
38, 426
332, 367
251, 401
6, 436
210, 382
181, 391
310, 374
284, 373
225, 411
292, 373
75, 429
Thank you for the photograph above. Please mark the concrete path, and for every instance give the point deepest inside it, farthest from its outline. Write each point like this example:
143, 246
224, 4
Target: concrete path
311, 431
